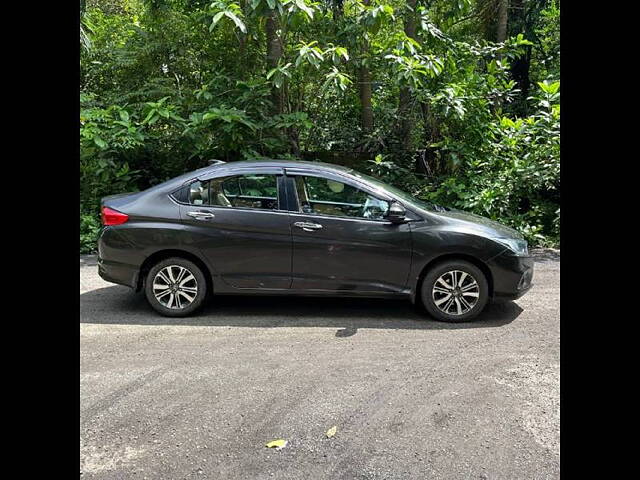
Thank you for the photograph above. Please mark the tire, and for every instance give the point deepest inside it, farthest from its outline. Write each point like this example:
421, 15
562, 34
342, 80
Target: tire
461, 299
175, 304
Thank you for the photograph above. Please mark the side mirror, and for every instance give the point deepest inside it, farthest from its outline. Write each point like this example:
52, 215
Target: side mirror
396, 213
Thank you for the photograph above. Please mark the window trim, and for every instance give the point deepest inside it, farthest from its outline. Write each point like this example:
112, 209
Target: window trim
354, 181
331, 175
226, 172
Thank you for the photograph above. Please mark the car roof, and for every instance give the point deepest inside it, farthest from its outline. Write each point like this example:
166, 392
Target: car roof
204, 172
275, 163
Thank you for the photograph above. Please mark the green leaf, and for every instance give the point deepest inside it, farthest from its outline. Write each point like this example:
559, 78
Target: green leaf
237, 21
151, 113
216, 19
341, 51
271, 73
303, 6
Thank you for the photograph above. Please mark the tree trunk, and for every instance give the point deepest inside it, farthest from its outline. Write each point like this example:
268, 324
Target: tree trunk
274, 53
405, 98
242, 37
366, 115
503, 15
364, 84
501, 36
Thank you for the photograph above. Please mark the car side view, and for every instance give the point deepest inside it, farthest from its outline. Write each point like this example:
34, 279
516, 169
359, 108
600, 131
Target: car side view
305, 228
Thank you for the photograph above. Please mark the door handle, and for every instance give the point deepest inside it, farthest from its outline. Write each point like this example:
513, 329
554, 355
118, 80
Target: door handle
308, 226
201, 215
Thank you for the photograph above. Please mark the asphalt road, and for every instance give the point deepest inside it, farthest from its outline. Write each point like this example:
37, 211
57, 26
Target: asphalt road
411, 398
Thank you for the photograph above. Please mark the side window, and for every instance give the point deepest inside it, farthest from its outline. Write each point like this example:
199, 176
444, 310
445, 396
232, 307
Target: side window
242, 191
328, 197
199, 193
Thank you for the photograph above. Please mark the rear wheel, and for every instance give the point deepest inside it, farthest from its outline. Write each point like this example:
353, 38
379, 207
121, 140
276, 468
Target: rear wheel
175, 287
454, 291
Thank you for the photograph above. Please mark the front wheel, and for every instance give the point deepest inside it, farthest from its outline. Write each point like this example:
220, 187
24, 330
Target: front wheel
175, 287
454, 291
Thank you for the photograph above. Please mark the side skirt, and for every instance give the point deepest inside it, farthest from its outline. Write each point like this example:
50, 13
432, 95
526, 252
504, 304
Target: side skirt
314, 293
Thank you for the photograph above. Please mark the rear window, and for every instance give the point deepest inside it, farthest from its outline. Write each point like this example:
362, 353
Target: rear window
182, 194
259, 191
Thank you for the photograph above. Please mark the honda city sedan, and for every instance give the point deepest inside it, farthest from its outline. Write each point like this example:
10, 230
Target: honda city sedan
305, 228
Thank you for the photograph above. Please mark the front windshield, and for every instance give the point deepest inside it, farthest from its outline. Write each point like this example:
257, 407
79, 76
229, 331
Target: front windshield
402, 195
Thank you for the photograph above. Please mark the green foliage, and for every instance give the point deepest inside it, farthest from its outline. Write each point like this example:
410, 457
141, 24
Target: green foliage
231, 10
515, 178
89, 232
107, 135
166, 85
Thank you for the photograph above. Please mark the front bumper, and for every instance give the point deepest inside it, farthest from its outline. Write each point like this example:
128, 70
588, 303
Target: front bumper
512, 276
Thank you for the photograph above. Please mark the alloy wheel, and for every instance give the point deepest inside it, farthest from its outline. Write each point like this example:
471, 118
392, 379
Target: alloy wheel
175, 287
455, 292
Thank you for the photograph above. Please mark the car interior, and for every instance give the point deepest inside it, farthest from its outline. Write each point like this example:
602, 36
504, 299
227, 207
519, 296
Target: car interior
249, 191
328, 197
316, 195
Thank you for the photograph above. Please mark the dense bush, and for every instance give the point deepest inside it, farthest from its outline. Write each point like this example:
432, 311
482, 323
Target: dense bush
168, 84
517, 178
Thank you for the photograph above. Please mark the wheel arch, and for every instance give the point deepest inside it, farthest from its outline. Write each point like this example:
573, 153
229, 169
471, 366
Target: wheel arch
160, 255
417, 298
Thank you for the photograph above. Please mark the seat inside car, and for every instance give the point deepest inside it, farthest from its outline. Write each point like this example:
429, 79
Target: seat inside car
217, 195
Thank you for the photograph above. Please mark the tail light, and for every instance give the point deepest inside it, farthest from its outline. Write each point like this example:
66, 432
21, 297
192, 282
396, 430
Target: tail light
112, 217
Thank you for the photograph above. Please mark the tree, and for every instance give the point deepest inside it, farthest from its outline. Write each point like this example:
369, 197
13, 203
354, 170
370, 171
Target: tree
502, 20
364, 85
167, 84
405, 98
274, 54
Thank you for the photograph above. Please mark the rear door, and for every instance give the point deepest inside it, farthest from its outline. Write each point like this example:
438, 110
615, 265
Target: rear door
236, 221
341, 241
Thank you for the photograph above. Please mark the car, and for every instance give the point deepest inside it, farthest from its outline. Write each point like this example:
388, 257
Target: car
282, 227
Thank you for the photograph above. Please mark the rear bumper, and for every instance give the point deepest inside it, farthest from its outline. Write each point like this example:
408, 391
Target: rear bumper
512, 276
116, 265
119, 273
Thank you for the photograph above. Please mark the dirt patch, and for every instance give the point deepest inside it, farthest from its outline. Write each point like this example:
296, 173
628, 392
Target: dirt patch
536, 384
545, 254
104, 459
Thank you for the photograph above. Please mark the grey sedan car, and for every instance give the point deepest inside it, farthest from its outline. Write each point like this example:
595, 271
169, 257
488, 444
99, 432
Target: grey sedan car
282, 227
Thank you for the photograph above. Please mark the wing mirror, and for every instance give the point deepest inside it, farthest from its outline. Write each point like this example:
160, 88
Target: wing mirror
396, 213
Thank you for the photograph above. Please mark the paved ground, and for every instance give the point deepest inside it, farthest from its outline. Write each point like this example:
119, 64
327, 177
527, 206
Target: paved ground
411, 398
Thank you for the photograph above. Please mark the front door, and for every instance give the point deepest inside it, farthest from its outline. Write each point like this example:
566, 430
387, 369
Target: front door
237, 223
341, 241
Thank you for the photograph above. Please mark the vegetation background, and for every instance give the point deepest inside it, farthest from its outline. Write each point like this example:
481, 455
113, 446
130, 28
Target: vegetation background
455, 101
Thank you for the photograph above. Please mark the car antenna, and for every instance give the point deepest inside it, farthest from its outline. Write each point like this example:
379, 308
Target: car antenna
213, 161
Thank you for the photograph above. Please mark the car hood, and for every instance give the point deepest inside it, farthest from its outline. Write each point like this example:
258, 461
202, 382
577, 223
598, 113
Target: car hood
484, 225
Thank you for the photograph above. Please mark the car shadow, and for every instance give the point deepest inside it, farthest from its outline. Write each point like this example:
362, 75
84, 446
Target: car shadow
119, 305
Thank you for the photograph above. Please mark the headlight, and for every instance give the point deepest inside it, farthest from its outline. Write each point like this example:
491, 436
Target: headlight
517, 246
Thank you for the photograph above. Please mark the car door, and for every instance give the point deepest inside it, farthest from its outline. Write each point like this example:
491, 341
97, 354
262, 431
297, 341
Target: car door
235, 220
341, 241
